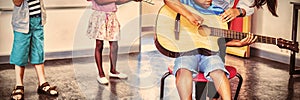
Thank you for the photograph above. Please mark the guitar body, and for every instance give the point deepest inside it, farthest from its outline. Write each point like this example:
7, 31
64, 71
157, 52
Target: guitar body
191, 39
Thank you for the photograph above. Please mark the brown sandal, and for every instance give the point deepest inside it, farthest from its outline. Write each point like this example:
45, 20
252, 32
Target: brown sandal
46, 89
18, 90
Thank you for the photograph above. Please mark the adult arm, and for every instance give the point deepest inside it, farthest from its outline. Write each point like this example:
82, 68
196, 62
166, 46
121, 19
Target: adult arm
245, 5
242, 9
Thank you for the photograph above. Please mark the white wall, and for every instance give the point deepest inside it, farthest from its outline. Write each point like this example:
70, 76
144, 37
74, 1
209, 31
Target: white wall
150, 12
65, 28
263, 23
6, 34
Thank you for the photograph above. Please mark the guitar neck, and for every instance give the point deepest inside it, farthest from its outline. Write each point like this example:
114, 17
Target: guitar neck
240, 35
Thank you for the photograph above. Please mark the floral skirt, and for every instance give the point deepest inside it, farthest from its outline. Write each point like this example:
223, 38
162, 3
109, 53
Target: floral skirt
104, 26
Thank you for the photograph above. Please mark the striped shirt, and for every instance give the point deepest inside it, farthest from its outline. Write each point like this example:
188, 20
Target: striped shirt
34, 7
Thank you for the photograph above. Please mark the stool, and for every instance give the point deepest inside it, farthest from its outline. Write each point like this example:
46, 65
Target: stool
201, 82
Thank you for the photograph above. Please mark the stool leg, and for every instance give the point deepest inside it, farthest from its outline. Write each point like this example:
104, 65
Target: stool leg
239, 86
163, 83
212, 91
201, 92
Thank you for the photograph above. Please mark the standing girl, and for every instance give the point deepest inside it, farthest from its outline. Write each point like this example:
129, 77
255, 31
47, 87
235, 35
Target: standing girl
103, 25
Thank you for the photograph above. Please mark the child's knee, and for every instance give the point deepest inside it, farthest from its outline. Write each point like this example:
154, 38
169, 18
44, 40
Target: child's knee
217, 73
183, 72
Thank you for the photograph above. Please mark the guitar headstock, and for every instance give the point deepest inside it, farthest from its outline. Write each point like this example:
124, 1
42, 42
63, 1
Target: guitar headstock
293, 46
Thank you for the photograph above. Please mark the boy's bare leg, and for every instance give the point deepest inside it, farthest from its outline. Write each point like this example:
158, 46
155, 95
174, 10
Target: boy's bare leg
184, 82
19, 70
39, 68
221, 83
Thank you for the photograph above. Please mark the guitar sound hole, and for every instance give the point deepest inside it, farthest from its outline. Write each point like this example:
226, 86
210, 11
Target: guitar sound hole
203, 31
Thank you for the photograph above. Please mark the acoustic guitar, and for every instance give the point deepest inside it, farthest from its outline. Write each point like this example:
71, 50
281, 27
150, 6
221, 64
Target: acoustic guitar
176, 36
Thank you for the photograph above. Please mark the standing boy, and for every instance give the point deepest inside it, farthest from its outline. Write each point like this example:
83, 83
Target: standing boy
28, 22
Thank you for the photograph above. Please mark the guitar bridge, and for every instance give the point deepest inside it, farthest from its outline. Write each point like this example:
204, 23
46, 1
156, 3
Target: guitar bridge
177, 26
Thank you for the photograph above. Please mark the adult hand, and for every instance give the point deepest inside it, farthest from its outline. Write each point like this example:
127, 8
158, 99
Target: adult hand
230, 14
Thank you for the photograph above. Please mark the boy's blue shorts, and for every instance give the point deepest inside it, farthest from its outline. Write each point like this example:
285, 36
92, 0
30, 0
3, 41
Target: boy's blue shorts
29, 46
200, 63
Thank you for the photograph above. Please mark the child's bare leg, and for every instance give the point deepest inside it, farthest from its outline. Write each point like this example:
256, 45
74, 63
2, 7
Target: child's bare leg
39, 68
19, 70
113, 56
184, 82
98, 57
221, 83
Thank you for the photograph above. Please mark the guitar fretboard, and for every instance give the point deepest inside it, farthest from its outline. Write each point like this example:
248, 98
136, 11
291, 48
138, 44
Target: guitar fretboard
240, 35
